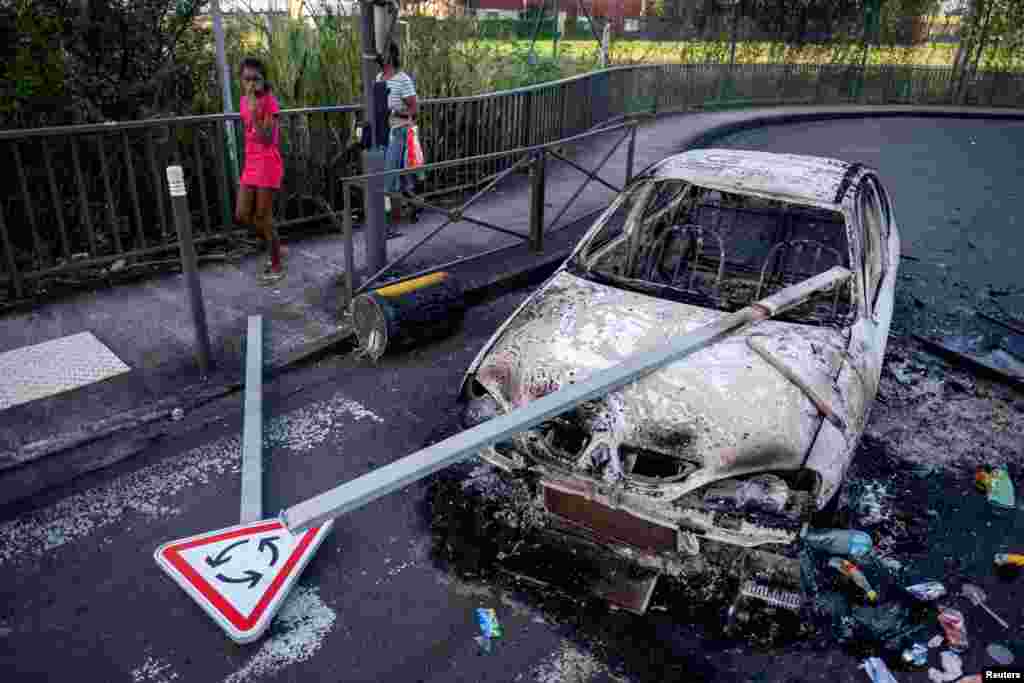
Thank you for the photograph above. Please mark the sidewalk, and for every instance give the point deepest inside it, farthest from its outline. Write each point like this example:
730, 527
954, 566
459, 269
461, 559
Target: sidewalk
148, 325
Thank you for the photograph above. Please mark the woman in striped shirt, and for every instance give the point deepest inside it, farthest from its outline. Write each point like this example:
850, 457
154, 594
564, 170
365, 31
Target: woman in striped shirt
403, 107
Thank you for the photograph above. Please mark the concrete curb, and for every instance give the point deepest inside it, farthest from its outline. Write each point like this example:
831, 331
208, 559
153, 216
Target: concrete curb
32, 469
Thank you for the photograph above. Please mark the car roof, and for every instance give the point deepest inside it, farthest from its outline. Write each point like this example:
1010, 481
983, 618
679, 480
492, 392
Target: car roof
816, 180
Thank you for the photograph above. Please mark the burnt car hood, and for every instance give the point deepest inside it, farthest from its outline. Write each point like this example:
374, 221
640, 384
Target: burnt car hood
724, 408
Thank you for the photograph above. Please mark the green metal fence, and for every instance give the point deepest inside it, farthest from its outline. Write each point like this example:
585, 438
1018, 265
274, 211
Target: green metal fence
86, 197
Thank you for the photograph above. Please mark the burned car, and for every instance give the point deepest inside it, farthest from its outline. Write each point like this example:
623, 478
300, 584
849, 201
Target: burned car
731, 451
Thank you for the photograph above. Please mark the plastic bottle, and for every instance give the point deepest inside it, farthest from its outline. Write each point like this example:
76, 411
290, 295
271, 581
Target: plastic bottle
1010, 559
955, 627
853, 572
928, 591
838, 541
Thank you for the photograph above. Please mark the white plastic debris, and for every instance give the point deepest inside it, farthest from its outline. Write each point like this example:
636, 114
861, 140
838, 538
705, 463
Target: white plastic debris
1000, 654
177, 414
935, 642
877, 671
952, 669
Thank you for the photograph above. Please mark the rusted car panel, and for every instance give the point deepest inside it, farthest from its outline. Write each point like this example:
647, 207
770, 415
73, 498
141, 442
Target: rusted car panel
731, 446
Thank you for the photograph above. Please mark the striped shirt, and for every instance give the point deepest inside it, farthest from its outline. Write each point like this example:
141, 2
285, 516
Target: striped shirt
400, 86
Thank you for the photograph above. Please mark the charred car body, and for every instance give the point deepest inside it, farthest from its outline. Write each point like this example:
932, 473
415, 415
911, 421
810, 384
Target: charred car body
731, 451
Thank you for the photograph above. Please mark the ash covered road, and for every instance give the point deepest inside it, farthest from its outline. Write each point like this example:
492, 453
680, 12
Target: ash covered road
79, 591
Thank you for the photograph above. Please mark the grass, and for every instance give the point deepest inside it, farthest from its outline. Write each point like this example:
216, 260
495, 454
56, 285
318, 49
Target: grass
634, 51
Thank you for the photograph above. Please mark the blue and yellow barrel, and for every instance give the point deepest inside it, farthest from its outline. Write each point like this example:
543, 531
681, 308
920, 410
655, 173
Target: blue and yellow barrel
408, 313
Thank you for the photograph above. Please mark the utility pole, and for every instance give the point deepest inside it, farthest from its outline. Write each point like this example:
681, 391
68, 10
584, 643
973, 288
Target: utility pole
558, 29
373, 158
225, 82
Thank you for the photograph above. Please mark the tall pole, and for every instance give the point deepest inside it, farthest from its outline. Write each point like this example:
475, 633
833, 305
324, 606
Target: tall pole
225, 82
373, 158
558, 28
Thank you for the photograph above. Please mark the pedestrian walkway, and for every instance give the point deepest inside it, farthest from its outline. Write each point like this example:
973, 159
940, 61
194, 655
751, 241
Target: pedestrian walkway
148, 325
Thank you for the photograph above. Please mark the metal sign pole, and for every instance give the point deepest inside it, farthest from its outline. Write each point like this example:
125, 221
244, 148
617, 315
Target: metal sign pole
252, 426
179, 206
356, 493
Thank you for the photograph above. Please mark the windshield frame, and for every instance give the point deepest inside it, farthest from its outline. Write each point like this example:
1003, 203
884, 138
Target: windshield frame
583, 262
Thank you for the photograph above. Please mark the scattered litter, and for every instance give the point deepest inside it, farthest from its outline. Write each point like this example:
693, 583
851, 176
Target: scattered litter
838, 541
877, 671
869, 505
929, 591
853, 572
952, 669
487, 620
1000, 654
997, 485
935, 642
1010, 559
955, 626
118, 265
916, 654
977, 597
177, 414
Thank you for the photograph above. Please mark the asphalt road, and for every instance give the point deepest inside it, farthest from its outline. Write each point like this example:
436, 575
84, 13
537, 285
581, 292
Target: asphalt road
80, 593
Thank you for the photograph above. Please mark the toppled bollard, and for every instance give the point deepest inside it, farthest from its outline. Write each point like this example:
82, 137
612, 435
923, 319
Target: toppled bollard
996, 484
1009, 560
838, 541
955, 628
854, 574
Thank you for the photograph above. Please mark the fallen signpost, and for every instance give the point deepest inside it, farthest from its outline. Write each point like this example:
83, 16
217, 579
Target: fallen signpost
364, 489
241, 575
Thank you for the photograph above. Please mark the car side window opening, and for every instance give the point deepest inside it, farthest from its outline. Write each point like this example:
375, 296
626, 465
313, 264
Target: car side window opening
872, 221
719, 249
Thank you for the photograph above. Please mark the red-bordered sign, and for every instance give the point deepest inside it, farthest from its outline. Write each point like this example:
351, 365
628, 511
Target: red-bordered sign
240, 575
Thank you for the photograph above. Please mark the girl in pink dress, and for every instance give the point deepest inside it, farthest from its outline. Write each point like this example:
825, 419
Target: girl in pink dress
261, 176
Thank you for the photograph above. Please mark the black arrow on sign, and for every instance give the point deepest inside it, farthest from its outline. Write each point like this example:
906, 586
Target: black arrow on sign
221, 559
252, 578
269, 542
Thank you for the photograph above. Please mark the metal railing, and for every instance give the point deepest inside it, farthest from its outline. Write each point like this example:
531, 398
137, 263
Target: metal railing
533, 157
93, 197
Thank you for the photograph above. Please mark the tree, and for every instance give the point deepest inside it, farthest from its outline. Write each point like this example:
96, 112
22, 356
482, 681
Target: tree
112, 59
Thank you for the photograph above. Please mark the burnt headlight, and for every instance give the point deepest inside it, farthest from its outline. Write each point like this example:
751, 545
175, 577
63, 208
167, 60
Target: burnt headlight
480, 407
760, 493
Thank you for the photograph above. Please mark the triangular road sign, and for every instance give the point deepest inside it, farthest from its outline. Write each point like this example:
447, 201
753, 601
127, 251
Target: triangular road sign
242, 574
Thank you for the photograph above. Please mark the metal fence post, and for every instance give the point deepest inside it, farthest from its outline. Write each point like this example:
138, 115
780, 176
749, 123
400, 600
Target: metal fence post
179, 206
537, 202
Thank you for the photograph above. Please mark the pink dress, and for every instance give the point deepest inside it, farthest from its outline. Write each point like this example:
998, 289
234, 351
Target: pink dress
263, 164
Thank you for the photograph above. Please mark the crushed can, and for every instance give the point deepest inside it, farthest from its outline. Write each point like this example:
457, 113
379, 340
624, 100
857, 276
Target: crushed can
955, 627
929, 591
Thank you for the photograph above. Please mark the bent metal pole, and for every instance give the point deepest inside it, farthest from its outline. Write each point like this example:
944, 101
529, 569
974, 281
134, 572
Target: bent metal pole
354, 494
